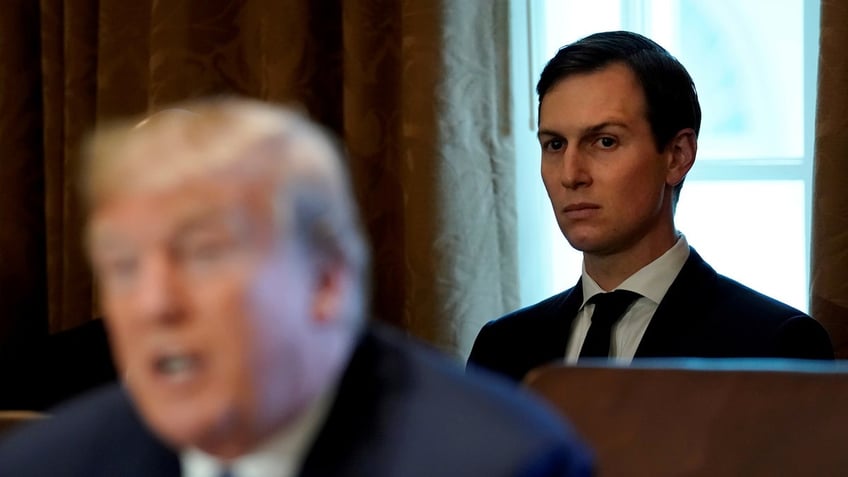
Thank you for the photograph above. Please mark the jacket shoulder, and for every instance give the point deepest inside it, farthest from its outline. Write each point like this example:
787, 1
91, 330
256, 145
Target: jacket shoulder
98, 434
791, 332
500, 429
526, 338
725, 318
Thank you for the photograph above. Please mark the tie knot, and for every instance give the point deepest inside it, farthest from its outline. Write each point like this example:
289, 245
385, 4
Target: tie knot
610, 306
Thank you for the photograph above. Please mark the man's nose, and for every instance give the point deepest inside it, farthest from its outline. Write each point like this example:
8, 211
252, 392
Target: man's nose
573, 171
159, 296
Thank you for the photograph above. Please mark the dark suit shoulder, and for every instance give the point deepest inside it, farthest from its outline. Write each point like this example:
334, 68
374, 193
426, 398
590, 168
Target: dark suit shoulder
705, 314
526, 338
544, 310
749, 299
98, 434
791, 332
423, 416
487, 417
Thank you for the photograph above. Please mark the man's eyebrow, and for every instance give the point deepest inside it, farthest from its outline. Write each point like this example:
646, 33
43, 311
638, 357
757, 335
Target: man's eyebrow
548, 132
604, 125
589, 129
200, 220
213, 220
104, 235
108, 245
108, 241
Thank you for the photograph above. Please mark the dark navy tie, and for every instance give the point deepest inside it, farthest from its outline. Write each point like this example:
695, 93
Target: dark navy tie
609, 307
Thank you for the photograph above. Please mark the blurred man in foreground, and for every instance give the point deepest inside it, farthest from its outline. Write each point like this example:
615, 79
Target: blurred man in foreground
232, 272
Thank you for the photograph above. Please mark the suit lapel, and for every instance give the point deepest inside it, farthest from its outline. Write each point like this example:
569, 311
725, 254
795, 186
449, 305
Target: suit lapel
346, 442
141, 454
157, 460
558, 324
684, 306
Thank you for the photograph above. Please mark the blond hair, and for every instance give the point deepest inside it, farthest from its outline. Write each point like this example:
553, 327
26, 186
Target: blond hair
313, 199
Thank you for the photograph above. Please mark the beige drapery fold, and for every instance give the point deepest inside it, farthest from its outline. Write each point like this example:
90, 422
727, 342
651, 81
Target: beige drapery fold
444, 118
829, 277
418, 90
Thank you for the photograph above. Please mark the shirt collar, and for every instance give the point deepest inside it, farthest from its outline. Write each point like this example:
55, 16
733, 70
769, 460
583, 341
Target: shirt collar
651, 281
280, 455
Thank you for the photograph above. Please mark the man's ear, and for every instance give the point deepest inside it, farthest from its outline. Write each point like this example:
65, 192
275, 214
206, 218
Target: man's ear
332, 285
681, 156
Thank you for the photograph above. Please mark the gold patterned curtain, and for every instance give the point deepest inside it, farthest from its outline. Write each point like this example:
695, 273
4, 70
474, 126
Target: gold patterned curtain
418, 90
830, 197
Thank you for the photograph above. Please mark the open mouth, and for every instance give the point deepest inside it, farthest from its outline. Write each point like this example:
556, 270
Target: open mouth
176, 366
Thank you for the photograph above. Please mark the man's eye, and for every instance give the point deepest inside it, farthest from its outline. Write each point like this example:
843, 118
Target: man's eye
119, 269
607, 142
204, 251
553, 145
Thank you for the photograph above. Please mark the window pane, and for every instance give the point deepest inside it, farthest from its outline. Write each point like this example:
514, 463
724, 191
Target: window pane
751, 231
747, 60
566, 22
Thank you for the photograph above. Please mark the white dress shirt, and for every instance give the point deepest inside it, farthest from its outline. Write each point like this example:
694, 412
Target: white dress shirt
280, 456
651, 282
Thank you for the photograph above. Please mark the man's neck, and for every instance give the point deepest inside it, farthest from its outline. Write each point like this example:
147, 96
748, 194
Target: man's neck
610, 270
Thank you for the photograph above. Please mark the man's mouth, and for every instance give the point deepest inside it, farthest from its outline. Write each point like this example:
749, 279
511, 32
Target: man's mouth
176, 366
580, 206
581, 210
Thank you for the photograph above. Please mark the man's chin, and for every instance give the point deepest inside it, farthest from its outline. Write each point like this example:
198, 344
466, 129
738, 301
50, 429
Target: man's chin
187, 425
593, 247
582, 243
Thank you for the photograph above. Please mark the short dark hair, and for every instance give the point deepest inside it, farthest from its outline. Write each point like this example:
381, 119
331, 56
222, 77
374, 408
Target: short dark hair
671, 101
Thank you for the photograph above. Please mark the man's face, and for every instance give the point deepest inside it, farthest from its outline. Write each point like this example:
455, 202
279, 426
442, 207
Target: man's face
209, 314
609, 187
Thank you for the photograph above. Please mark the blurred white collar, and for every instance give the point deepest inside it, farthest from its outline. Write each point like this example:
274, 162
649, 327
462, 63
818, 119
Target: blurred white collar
279, 456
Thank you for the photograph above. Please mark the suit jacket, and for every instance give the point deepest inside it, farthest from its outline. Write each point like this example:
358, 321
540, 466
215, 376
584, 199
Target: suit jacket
703, 314
400, 410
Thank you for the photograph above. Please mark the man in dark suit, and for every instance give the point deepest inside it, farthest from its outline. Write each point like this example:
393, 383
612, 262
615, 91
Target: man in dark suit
618, 126
232, 271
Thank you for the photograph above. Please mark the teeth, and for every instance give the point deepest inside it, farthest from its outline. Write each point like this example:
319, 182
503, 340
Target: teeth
175, 364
